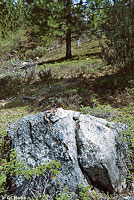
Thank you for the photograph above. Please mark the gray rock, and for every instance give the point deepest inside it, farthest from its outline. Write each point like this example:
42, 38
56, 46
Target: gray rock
101, 153
89, 151
29, 98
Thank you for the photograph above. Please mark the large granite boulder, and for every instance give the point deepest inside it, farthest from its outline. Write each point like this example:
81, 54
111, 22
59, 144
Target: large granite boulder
90, 151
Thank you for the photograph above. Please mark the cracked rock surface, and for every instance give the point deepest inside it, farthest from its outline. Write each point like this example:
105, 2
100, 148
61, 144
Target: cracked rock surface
90, 152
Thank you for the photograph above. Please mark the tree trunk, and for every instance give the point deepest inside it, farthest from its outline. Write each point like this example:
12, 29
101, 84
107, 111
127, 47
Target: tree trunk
68, 44
68, 33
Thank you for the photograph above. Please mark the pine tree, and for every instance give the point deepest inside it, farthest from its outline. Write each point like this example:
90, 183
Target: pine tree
58, 18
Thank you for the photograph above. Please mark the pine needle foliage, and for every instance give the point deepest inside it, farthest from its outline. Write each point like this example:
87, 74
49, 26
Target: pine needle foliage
118, 27
12, 14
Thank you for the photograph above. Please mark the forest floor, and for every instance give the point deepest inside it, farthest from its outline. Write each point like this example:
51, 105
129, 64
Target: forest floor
84, 83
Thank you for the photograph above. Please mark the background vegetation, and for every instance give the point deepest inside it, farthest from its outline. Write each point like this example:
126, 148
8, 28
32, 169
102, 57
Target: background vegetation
85, 56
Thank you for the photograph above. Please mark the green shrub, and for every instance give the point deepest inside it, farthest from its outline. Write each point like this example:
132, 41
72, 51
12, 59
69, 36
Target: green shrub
14, 168
118, 27
11, 44
37, 52
65, 194
45, 74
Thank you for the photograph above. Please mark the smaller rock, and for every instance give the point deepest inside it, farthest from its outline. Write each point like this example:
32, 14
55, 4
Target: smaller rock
26, 64
127, 198
29, 98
